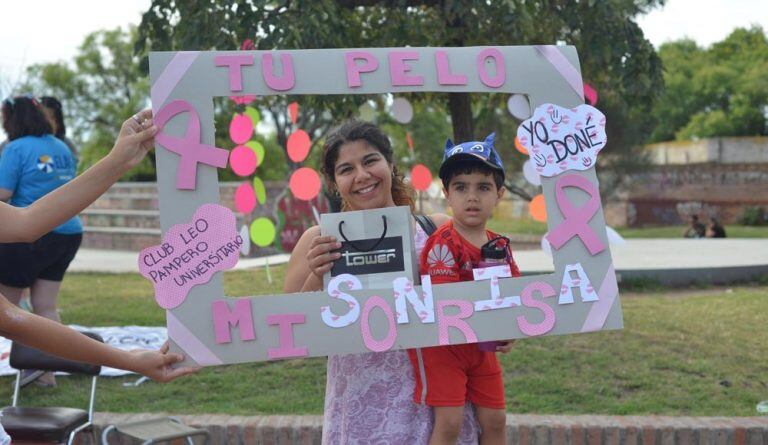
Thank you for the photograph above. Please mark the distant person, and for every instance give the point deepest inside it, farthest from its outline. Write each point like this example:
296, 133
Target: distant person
696, 229
715, 229
33, 164
55, 114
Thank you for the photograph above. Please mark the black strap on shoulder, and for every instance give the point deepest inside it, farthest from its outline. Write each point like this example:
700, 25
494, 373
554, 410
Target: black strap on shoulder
427, 224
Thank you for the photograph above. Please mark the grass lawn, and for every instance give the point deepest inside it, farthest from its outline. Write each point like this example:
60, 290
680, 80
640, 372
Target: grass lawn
530, 227
691, 352
733, 231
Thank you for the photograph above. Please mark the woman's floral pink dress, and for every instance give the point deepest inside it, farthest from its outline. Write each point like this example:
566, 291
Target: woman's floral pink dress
369, 398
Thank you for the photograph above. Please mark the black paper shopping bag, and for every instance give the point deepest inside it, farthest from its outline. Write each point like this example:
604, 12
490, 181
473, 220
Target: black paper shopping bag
376, 245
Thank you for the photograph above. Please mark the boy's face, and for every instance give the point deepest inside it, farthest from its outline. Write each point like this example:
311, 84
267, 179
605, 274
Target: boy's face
472, 197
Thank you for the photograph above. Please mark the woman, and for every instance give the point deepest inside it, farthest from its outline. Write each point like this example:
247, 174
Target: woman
55, 114
715, 229
33, 164
369, 397
29, 223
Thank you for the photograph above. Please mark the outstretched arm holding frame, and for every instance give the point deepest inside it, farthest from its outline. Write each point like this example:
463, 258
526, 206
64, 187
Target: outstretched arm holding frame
54, 338
27, 224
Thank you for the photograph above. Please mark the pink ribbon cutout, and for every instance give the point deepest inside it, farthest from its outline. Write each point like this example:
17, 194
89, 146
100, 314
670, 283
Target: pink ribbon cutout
576, 218
563, 66
189, 147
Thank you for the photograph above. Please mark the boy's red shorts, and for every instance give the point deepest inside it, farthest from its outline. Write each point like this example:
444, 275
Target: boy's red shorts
453, 375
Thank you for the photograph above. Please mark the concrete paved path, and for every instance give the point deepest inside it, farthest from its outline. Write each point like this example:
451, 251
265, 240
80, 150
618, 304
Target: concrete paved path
118, 261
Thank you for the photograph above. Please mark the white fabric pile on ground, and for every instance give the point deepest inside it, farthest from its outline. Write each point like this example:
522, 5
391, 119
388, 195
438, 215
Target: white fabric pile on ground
121, 337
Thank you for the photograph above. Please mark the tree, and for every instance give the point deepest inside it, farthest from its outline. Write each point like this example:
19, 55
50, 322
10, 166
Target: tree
720, 91
101, 89
615, 56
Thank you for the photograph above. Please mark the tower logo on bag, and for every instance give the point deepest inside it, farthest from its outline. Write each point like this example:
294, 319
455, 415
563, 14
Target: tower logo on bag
386, 257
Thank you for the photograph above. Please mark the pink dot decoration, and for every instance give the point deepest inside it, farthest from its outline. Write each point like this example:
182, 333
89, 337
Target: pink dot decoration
245, 198
590, 93
421, 177
243, 160
298, 145
305, 183
240, 129
293, 111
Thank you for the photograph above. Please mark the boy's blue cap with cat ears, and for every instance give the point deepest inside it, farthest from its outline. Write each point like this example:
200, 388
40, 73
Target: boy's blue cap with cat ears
475, 150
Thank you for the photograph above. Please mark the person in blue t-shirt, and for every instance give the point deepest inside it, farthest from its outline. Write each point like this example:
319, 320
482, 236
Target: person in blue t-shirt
33, 164
55, 113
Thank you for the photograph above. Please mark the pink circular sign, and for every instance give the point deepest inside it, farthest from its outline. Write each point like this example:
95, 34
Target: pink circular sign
305, 183
245, 198
298, 145
243, 160
421, 177
240, 128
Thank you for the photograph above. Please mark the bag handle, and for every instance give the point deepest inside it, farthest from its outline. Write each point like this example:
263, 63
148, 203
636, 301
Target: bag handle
427, 224
375, 245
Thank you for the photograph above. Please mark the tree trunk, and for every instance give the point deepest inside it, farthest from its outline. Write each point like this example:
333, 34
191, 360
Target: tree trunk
460, 106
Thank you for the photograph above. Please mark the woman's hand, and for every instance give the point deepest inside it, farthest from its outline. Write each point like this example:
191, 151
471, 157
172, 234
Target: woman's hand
320, 256
157, 364
505, 346
136, 138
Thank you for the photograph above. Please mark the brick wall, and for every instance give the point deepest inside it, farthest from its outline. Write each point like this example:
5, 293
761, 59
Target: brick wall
726, 150
521, 429
717, 177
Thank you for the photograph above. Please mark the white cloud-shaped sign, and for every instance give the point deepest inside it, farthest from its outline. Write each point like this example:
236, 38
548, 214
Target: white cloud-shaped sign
560, 139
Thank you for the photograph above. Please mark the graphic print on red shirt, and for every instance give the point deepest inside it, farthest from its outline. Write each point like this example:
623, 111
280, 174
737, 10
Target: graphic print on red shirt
449, 258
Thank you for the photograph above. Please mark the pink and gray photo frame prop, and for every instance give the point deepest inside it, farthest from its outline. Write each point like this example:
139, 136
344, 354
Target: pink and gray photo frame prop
211, 329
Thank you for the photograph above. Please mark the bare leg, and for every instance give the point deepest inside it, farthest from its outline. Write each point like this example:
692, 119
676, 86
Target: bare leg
45, 295
13, 294
447, 427
493, 425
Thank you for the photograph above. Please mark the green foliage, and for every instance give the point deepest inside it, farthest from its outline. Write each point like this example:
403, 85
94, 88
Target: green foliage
99, 91
733, 231
429, 129
719, 91
615, 56
640, 284
754, 216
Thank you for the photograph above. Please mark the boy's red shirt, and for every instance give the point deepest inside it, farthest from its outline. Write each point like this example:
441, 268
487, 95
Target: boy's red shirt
448, 257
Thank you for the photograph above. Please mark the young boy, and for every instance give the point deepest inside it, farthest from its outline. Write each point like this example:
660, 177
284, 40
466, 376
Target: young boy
449, 376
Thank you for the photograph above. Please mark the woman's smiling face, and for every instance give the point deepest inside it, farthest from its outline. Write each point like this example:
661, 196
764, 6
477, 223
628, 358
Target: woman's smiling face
363, 176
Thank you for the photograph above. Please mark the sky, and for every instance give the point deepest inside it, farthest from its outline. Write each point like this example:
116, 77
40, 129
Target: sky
64, 24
